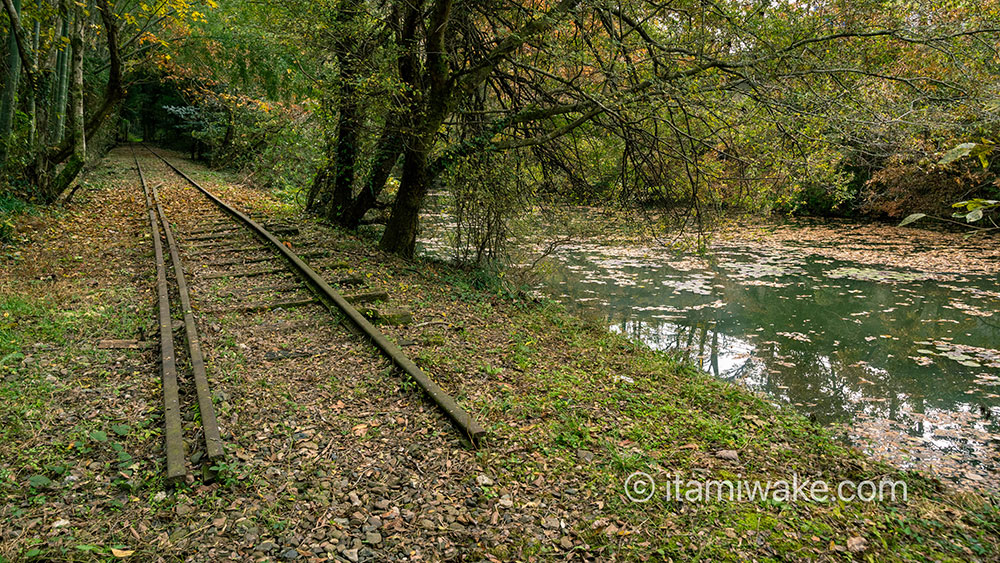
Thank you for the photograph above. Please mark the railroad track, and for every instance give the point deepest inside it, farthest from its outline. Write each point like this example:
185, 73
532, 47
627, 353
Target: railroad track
228, 245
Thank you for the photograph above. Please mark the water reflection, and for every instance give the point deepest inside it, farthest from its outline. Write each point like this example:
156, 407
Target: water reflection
906, 360
840, 341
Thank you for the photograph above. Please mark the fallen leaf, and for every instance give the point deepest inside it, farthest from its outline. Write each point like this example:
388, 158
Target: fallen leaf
857, 544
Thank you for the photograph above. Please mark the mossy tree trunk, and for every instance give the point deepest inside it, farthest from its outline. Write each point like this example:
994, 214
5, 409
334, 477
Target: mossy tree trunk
10, 85
77, 134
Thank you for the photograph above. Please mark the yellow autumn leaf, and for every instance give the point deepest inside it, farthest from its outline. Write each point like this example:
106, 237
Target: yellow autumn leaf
122, 553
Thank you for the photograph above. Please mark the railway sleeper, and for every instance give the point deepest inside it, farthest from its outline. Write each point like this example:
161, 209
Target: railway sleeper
238, 261
264, 306
273, 355
369, 297
336, 265
246, 274
395, 316
227, 250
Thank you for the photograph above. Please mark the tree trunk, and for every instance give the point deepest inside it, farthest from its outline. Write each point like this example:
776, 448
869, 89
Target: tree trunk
32, 96
347, 146
78, 138
400, 236
11, 82
390, 144
319, 193
115, 90
62, 89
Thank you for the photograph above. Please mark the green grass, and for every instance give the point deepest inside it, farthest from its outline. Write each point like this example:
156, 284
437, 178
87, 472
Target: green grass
26, 320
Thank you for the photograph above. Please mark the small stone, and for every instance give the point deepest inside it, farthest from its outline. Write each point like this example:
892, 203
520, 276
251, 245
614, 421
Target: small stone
729, 455
483, 480
373, 538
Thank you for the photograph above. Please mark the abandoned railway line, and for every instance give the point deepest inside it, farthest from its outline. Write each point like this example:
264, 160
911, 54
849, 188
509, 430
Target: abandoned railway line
220, 255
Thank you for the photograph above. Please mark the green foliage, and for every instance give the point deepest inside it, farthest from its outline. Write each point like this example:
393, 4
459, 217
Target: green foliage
820, 110
981, 151
974, 208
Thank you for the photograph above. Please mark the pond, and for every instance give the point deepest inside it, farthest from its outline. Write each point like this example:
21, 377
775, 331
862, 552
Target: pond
904, 360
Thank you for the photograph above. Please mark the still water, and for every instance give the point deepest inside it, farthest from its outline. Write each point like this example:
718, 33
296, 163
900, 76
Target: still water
905, 361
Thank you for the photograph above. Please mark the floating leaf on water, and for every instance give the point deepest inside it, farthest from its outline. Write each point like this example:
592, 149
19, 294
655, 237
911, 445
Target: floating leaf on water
957, 356
970, 363
883, 276
970, 309
795, 336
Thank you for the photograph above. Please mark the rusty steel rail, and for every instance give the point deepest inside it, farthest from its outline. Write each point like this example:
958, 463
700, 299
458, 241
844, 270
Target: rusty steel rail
173, 434
335, 302
209, 424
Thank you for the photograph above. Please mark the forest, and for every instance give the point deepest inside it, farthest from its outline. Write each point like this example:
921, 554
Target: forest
358, 109
499, 280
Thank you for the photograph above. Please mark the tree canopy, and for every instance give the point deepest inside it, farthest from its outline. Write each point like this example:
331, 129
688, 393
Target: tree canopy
689, 105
